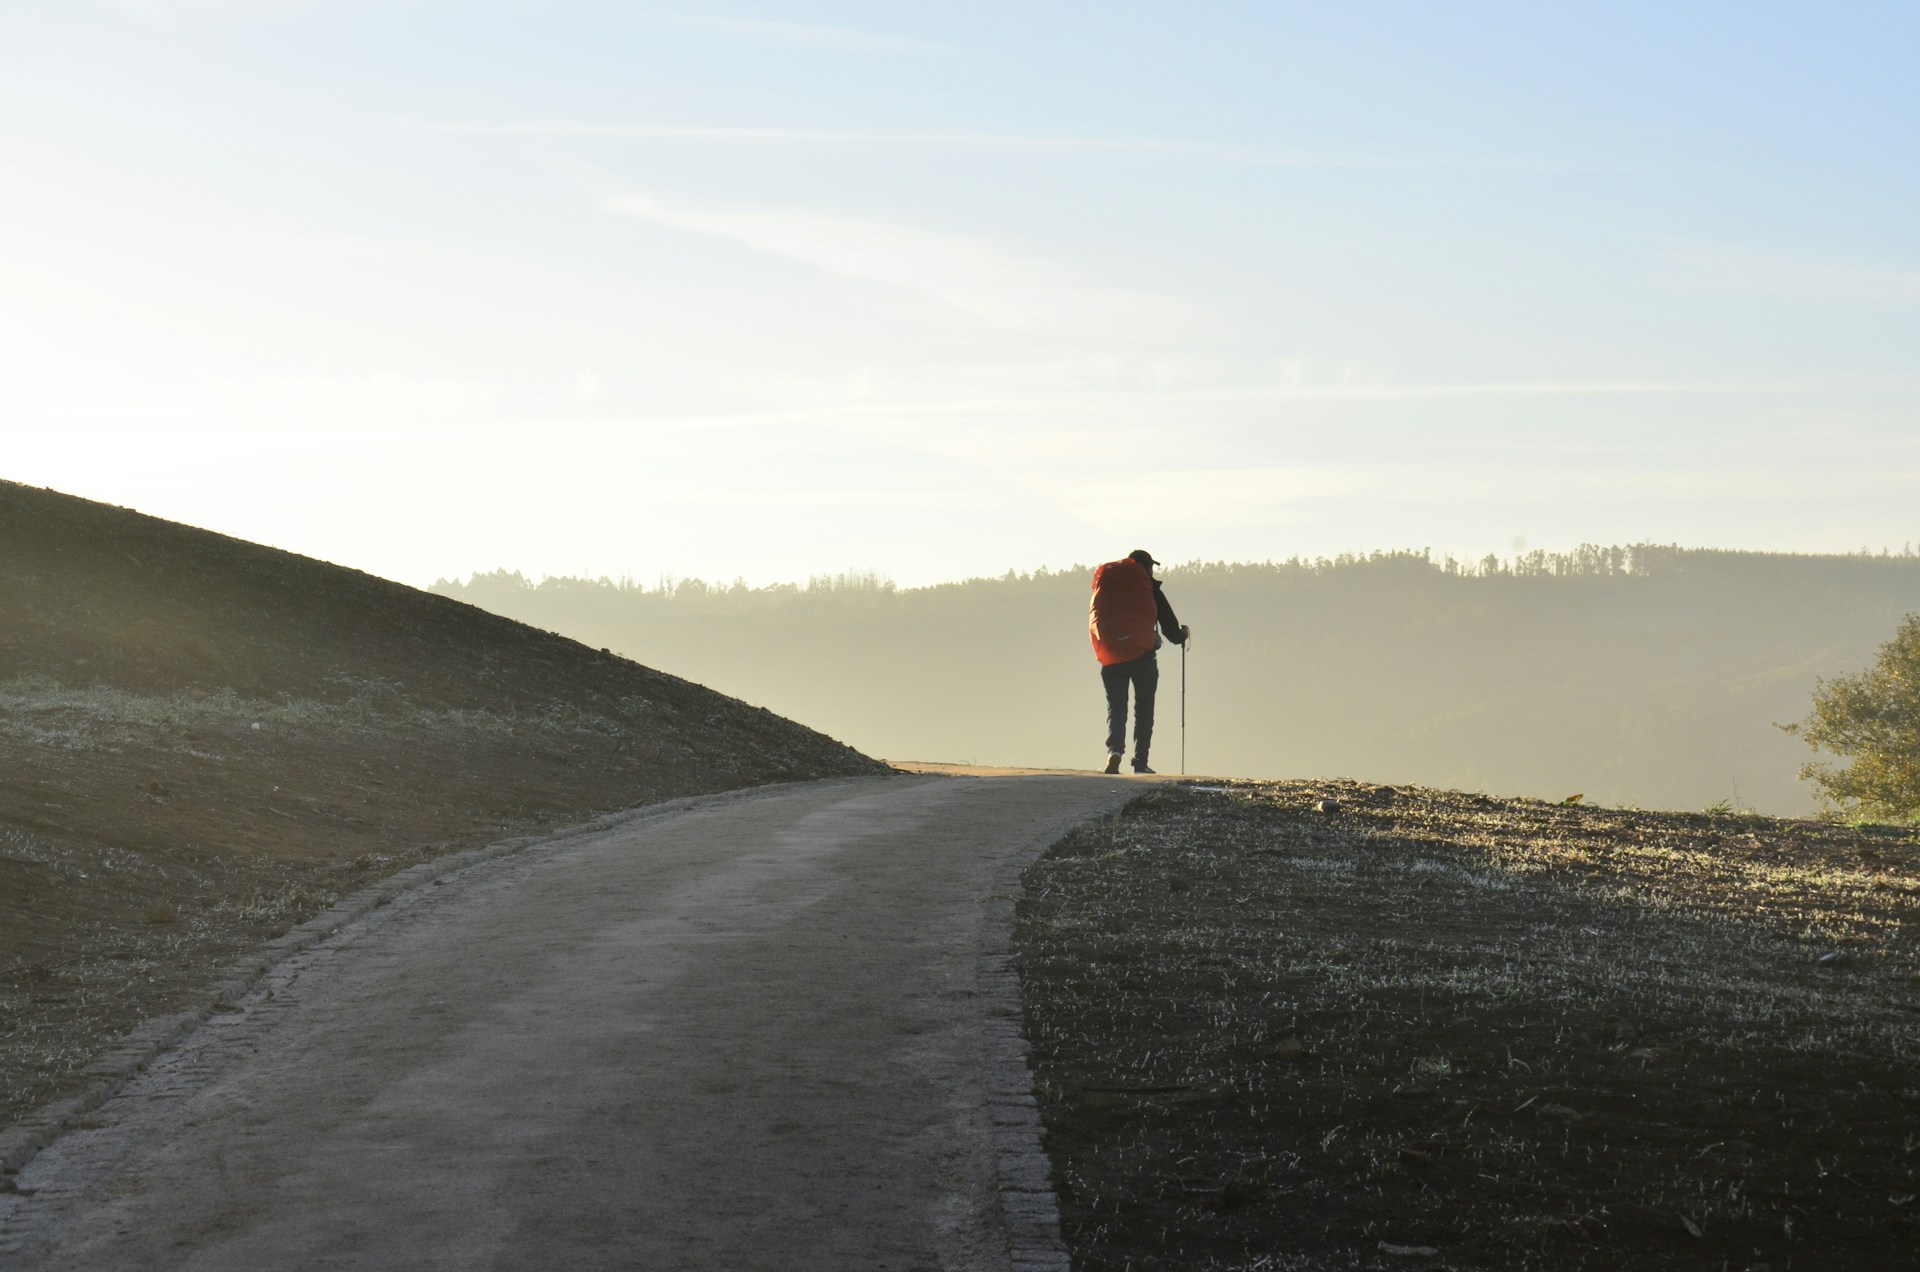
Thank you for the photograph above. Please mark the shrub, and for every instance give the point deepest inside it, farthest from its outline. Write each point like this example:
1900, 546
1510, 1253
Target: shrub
1874, 718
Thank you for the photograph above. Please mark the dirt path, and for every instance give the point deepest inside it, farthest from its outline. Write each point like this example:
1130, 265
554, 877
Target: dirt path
754, 1031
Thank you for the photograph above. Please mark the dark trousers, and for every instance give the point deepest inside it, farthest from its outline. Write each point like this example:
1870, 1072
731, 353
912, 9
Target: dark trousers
1143, 673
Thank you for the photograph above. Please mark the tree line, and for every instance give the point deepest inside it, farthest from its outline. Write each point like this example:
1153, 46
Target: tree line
1643, 674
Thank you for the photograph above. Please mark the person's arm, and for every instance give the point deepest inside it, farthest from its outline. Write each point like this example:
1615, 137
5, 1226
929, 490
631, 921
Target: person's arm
1169, 625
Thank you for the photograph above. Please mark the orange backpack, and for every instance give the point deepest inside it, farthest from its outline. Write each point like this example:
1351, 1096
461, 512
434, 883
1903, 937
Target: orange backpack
1122, 615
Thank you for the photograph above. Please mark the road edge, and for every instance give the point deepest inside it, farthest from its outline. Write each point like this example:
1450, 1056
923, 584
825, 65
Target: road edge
1023, 1172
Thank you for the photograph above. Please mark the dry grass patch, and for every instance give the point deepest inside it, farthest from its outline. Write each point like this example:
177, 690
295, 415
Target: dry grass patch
1432, 1029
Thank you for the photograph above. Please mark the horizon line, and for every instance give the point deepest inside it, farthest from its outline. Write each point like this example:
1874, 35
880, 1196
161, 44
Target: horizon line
880, 580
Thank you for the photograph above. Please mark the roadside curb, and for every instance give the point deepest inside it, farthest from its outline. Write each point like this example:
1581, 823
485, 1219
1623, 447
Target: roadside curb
126, 1059
1024, 1174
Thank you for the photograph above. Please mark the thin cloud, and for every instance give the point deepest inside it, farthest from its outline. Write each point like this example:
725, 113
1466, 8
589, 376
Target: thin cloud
1200, 151
974, 275
826, 38
1255, 497
1109, 406
163, 10
1549, 483
346, 400
1740, 268
1206, 498
1520, 388
1103, 402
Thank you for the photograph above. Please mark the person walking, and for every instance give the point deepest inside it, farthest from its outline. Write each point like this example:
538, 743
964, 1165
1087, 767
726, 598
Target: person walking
1126, 619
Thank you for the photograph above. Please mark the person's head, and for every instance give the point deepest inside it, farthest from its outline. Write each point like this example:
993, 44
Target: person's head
1145, 558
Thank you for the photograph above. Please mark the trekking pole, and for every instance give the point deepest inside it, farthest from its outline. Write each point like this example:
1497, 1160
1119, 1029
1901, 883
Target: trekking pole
1183, 704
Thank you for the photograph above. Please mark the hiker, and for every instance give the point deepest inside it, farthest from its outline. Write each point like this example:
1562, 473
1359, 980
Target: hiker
1127, 607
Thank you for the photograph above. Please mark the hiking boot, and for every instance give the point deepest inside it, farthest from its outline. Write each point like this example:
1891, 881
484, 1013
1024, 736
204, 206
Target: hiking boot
1113, 762
1140, 766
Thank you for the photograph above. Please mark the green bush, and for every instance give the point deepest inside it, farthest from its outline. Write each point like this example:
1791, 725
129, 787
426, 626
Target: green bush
1873, 718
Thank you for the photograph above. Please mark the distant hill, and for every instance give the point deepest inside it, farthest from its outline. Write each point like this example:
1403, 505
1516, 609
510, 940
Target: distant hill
203, 741
1643, 675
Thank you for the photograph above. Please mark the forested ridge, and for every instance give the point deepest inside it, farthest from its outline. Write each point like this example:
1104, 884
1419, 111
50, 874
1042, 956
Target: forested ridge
1644, 674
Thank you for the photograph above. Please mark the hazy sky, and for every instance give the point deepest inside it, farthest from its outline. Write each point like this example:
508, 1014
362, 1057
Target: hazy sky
428, 287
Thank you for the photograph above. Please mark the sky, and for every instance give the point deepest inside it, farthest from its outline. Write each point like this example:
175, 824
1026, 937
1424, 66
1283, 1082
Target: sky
768, 291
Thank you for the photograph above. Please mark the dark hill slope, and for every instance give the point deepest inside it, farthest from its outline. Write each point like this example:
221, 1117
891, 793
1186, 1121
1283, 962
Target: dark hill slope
204, 741
96, 595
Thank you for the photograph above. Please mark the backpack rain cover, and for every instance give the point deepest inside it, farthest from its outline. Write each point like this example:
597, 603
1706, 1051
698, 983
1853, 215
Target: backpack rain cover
1122, 615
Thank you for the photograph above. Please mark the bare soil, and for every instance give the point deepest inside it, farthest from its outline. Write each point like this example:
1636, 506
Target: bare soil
204, 742
1429, 1029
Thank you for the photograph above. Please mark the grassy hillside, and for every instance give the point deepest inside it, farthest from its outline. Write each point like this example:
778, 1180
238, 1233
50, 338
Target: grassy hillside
203, 741
1645, 675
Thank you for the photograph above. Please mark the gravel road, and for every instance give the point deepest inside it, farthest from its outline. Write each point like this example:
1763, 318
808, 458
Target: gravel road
763, 1030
